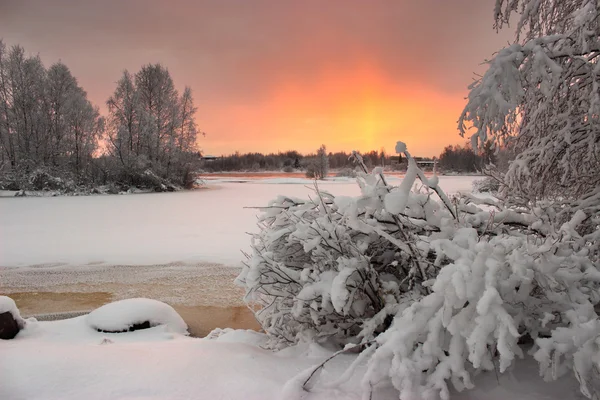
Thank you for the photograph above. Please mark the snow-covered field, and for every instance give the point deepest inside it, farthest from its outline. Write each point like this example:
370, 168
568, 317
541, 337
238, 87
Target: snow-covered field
119, 240
208, 225
68, 360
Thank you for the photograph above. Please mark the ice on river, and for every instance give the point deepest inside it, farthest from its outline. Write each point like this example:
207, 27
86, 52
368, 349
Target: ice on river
208, 225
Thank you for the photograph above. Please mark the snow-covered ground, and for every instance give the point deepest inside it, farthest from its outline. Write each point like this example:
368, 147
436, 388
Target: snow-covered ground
208, 225
106, 241
68, 360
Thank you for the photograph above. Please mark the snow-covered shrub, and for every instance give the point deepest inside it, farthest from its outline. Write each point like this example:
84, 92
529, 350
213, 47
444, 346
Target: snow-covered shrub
430, 289
488, 184
9, 181
347, 173
41, 179
322, 266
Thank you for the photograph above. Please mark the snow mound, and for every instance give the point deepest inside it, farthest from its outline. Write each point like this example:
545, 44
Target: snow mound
8, 305
124, 314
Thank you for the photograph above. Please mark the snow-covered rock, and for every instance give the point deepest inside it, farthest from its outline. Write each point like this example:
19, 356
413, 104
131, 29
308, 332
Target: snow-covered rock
132, 314
10, 318
8, 305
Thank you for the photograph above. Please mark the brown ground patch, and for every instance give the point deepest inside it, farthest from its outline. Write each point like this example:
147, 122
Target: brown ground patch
200, 319
203, 319
33, 303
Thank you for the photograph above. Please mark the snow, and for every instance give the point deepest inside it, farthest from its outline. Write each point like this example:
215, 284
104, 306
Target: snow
207, 225
8, 305
395, 202
122, 315
247, 336
68, 360
400, 147
279, 181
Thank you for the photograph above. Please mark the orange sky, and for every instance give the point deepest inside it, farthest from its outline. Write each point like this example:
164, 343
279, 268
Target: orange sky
273, 75
359, 108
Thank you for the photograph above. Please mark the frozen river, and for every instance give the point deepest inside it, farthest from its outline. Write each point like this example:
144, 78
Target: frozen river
207, 225
185, 248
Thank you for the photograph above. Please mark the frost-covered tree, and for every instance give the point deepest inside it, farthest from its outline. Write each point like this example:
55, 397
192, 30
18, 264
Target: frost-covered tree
318, 167
541, 95
75, 125
46, 120
124, 123
460, 159
59, 93
151, 128
158, 107
24, 136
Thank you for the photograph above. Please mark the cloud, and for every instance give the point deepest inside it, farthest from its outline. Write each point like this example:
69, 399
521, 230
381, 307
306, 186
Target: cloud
241, 57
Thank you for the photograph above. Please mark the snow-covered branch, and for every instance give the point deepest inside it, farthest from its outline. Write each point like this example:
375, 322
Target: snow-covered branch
541, 95
436, 294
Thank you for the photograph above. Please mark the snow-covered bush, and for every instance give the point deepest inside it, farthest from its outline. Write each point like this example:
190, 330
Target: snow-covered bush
488, 184
347, 173
429, 289
321, 266
41, 179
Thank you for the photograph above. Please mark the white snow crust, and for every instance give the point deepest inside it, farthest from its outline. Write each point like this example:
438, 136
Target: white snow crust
67, 360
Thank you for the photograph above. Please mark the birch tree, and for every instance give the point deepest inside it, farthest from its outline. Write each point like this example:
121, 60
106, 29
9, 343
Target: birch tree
46, 121
542, 95
151, 128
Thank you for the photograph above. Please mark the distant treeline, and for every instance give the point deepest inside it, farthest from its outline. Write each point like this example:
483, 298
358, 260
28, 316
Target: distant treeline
456, 158
292, 160
463, 159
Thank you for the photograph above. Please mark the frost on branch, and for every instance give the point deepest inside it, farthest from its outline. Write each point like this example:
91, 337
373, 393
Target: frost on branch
433, 288
541, 97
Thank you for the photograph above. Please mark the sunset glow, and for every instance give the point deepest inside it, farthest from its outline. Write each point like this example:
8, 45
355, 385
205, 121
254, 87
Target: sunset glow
275, 76
357, 108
